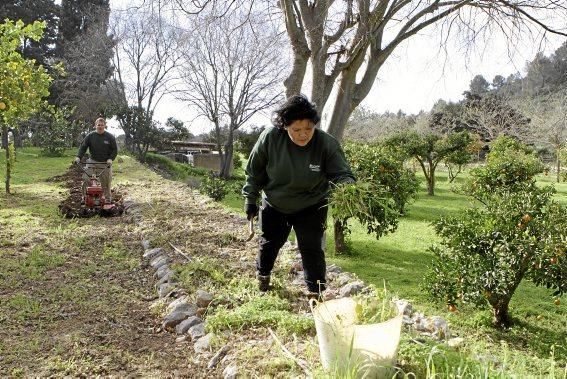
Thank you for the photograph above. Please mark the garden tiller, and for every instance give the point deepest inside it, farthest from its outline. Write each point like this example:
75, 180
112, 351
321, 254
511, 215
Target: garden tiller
94, 199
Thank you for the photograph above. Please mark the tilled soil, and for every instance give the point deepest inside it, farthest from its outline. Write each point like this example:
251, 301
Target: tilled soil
71, 207
77, 299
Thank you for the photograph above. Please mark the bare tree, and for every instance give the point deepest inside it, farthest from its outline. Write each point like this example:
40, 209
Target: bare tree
147, 51
549, 118
233, 71
348, 42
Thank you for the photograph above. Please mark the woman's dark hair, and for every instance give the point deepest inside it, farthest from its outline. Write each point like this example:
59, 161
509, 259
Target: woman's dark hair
297, 107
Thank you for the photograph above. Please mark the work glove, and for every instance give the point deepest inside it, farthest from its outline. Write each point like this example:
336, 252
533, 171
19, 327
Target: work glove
77, 160
251, 211
109, 162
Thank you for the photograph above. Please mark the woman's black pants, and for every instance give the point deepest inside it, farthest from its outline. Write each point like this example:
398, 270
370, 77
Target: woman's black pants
309, 225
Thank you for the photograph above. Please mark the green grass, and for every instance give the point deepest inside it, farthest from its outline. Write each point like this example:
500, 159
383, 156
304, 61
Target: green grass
401, 260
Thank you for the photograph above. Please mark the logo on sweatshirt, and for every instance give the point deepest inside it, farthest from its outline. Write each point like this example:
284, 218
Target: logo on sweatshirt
106, 142
315, 167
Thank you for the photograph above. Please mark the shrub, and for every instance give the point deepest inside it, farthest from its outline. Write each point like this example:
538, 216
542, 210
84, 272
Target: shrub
236, 160
214, 187
517, 232
382, 167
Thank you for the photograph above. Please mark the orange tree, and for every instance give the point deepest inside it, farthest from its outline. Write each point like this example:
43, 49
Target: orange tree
516, 232
23, 84
378, 198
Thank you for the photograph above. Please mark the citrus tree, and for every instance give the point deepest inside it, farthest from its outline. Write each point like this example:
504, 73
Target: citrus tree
430, 149
23, 85
378, 198
516, 232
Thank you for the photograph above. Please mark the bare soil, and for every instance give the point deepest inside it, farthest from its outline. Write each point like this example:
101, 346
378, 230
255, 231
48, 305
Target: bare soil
76, 297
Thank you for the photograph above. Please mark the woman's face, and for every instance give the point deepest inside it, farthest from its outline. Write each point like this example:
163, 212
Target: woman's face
301, 131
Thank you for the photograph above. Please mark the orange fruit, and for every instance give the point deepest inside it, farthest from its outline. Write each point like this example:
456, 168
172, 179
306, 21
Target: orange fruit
557, 301
553, 260
526, 218
452, 308
2, 105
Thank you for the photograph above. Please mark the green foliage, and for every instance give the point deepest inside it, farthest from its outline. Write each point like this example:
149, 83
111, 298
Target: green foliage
518, 232
375, 309
510, 166
260, 311
236, 160
214, 187
55, 137
367, 202
23, 84
430, 149
179, 171
380, 166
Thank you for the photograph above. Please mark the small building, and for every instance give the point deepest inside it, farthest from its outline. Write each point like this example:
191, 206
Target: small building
197, 154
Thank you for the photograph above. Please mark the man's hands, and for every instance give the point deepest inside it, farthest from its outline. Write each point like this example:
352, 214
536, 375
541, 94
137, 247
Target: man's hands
109, 162
77, 160
251, 211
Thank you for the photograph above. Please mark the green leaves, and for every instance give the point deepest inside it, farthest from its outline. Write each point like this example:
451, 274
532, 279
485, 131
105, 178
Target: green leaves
369, 203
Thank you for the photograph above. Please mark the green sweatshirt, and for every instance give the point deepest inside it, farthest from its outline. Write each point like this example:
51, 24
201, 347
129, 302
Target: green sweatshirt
294, 177
101, 146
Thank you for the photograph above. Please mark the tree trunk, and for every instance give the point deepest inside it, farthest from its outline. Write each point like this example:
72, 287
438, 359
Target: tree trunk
558, 166
8, 160
431, 179
342, 109
501, 318
226, 160
4, 137
341, 246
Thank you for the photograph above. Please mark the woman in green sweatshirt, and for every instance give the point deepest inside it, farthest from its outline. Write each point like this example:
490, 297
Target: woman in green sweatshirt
291, 168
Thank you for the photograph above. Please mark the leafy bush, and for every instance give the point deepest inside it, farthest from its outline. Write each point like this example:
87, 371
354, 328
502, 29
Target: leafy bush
369, 203
214, 187
236, 160
175, 169
517, 232
55, 137
382, 167
510, 166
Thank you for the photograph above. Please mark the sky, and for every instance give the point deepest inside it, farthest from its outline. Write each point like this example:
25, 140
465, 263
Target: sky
413, 78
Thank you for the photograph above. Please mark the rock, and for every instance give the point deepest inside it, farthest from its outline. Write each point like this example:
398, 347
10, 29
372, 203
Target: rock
159, 261
189, 309
203, 298
152, 253
330, 295
295, 267
145, 244
230, 372
181, 339
172, 320
197, 331
351, 289
163, 270
218, 356
176, 302
343, 278
168, 277
456, 342
298, 280
184, 326
203, 344
334, 269
407, 320
404, 307
201, 312
165, 289
435, 326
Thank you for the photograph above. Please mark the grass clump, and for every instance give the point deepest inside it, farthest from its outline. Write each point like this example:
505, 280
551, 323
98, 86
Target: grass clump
375, 309
201, 273
260, 311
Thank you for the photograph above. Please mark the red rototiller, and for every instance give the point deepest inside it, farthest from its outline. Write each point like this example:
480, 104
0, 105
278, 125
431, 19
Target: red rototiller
94, 200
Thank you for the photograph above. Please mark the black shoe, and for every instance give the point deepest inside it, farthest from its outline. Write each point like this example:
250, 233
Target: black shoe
263, 282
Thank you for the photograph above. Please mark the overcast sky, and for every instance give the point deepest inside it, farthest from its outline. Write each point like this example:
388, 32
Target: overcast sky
414, 77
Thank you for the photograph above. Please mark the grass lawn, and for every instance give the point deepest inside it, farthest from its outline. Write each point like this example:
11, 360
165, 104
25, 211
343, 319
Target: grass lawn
535, 346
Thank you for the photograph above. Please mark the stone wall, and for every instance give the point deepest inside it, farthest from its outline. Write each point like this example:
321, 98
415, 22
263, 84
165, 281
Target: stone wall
209, 161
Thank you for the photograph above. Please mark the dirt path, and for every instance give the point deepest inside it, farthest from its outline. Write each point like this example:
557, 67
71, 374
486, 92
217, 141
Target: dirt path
76, 298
